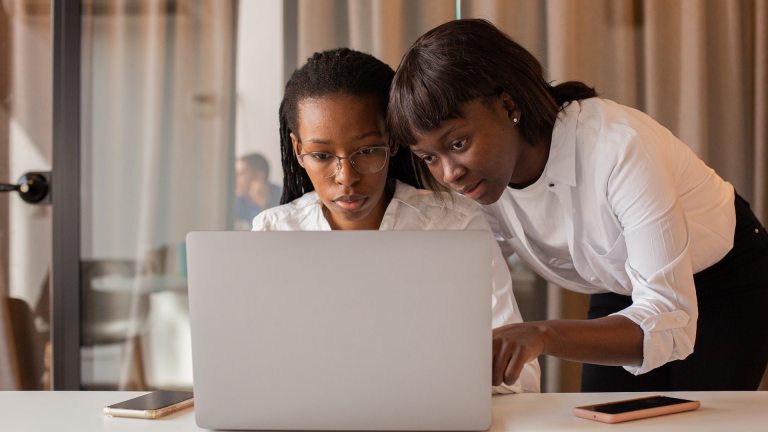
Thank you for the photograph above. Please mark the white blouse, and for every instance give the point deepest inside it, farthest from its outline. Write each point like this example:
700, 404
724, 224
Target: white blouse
414, 209
641, 214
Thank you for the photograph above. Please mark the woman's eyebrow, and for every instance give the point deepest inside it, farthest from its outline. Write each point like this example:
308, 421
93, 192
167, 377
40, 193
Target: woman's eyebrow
447, 132
439, 139
355, 138
367, 134
317, 141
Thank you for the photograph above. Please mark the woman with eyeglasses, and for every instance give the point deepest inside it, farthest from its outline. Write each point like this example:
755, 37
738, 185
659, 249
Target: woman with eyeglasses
597, 198
342, 173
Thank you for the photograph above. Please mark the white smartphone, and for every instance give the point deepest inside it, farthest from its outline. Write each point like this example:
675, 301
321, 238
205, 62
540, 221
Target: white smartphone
633, 409
151, 405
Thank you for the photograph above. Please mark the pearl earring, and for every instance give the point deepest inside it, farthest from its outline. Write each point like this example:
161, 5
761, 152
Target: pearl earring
515, 120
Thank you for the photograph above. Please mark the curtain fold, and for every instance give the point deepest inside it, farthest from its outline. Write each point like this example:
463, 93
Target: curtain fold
760, 107
698, 67
383, 28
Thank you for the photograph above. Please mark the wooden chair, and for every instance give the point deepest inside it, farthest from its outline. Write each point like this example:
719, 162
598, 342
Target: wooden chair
26, 345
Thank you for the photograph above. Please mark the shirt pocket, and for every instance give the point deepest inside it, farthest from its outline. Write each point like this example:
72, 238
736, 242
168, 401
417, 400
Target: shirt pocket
609, 267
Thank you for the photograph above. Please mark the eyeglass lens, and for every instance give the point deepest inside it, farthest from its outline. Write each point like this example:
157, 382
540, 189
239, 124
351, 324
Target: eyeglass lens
365, 161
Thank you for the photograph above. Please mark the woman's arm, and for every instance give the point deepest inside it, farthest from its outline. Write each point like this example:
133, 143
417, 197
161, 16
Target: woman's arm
506, 313
505, 310
614, 340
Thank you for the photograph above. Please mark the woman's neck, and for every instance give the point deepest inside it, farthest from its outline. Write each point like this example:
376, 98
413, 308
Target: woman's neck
536, 159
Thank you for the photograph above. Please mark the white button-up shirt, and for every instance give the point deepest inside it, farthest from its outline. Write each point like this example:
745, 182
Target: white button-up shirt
642, 213
413, 209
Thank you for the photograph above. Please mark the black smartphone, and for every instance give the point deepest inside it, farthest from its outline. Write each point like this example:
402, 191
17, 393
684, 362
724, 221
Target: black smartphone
151, 405
633, 409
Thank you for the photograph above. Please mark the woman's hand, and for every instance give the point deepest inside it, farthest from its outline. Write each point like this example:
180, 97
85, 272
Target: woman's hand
514, 345
613, 340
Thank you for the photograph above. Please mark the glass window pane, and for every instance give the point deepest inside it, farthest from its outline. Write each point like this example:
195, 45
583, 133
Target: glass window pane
157, 149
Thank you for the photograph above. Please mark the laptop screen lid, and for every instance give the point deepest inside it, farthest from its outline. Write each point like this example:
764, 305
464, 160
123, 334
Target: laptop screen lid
344, 330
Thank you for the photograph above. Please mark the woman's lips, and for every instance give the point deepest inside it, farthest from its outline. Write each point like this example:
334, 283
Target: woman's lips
350, 202
474, 191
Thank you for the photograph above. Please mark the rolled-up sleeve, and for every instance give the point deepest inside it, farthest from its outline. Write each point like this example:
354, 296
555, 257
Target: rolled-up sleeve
664, 306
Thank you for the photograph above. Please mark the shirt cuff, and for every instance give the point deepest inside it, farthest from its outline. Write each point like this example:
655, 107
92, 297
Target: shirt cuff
508, 389
666, 336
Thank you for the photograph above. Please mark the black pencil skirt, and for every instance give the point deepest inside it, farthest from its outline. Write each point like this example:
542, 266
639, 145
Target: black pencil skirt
731, 349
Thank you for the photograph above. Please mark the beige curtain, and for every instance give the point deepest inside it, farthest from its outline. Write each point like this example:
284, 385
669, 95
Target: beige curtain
700, 67
384, 28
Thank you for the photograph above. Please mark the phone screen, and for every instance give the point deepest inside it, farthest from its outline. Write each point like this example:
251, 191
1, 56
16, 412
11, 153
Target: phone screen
154, 401
637, 404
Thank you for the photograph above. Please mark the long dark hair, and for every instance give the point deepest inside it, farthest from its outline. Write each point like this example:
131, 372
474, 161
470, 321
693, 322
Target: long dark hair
464, 60
340, 70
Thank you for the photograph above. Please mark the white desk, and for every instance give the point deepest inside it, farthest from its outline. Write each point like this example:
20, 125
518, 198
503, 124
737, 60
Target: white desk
81, 411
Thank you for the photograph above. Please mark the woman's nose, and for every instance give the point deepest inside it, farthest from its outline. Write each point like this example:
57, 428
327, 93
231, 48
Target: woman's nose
452, 171
346, 174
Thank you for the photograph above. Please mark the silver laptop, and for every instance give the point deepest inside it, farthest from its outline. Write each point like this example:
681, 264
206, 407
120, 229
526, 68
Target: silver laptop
353, 330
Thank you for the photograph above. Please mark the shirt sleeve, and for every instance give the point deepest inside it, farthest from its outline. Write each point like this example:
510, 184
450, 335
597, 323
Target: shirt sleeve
504, 308
261, 222
644, 197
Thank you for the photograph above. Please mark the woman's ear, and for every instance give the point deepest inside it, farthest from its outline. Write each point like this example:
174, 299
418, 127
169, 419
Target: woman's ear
509, 105
296, 148
393, 149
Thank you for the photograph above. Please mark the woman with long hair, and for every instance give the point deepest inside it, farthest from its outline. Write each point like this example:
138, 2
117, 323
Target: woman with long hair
597, 198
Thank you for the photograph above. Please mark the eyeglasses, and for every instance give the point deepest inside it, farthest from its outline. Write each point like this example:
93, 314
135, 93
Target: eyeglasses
367, 160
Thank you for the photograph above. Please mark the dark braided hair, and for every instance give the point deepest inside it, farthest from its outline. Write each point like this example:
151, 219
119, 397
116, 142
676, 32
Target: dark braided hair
340, 70
464, 60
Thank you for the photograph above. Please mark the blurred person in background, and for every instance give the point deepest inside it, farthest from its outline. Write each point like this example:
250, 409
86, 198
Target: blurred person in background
253, 191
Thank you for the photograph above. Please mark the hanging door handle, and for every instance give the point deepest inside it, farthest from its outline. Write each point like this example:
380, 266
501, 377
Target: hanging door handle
7, 187
33, 187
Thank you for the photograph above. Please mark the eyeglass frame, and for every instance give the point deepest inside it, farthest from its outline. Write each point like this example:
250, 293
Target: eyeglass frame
387, 149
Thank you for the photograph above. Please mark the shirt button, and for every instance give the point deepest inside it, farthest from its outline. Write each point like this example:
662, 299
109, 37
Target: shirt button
551, 185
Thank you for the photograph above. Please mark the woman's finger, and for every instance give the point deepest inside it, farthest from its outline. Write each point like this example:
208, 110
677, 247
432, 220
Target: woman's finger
514, 366
502, 352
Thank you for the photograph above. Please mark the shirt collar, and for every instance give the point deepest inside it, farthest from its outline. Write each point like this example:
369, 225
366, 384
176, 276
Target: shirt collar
561, 167
403, 194
401, 197
314, 218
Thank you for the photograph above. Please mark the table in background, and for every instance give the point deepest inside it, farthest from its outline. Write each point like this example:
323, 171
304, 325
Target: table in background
82, 411
166, 341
